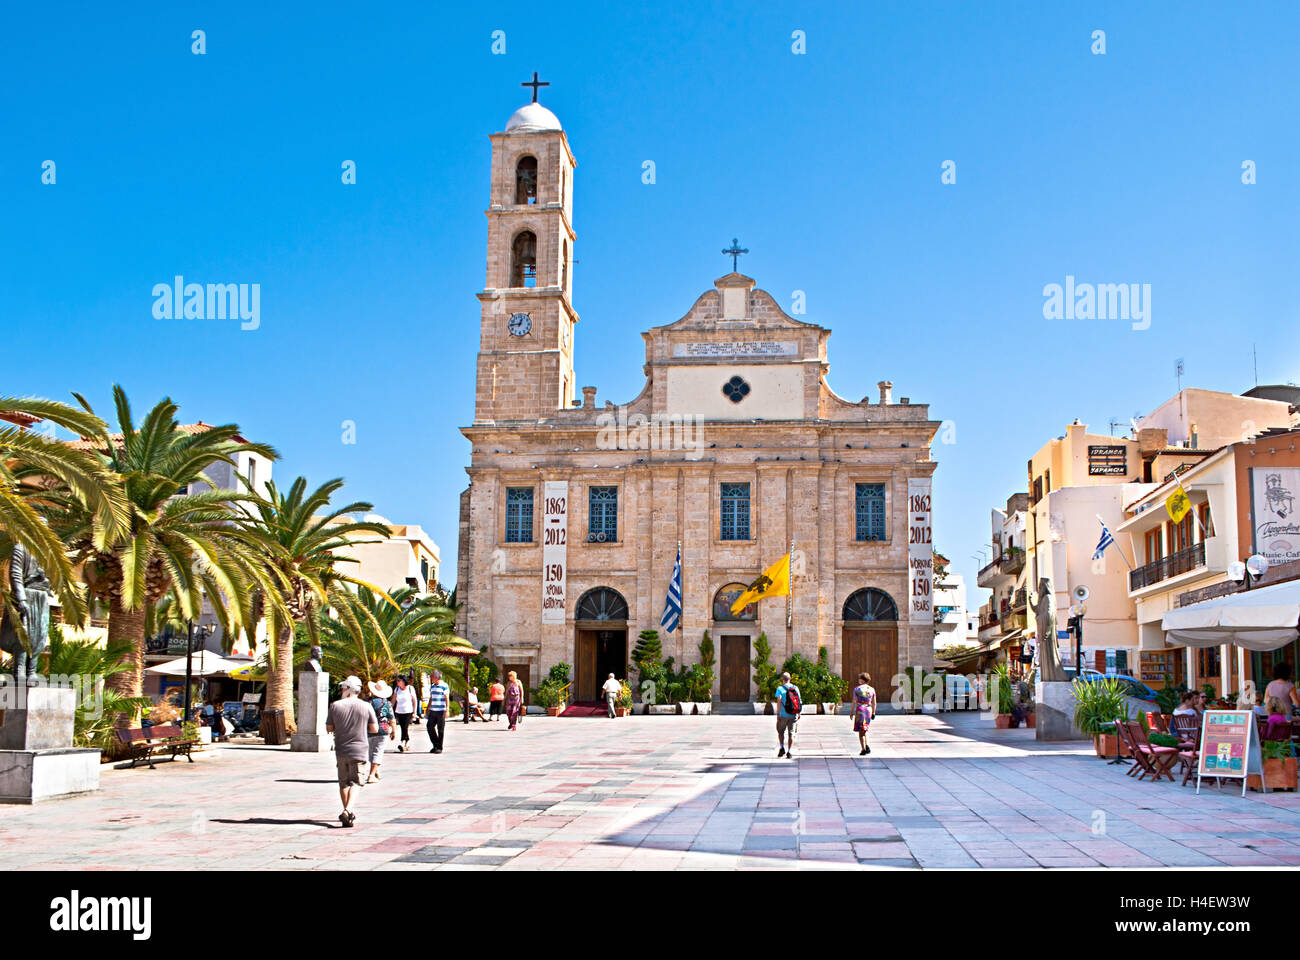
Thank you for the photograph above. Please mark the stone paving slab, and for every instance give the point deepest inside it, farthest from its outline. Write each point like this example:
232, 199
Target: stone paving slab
662, 793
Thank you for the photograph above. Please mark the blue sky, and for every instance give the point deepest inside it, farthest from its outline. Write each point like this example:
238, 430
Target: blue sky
226, 168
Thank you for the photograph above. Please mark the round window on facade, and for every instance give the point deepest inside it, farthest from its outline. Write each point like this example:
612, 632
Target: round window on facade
735, 389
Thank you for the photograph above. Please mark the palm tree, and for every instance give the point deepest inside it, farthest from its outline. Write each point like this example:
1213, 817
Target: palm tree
178, 542
39, 478
302, 538
404, 634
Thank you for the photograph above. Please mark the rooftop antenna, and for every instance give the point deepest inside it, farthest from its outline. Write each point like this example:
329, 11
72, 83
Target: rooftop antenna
1113, 424
1255, 354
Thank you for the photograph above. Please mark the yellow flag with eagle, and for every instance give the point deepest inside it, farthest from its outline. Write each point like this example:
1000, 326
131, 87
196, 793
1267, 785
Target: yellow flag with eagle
775, 582
1178, 503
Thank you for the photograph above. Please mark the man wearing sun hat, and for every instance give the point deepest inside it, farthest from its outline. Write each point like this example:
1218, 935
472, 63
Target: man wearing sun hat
380, 692
351, 720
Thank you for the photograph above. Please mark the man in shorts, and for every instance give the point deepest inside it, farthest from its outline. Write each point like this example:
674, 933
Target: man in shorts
351, 720
785, 719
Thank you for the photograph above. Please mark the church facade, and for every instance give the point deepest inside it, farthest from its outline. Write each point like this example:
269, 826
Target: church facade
735, 451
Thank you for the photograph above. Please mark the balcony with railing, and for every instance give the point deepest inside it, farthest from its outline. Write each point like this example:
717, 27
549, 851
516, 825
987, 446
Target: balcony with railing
1013, 561
1020, 600
989, 572
1184, 561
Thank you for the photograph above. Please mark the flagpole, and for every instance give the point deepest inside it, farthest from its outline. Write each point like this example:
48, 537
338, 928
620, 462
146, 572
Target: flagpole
1191, 508
789, 600
1116, 542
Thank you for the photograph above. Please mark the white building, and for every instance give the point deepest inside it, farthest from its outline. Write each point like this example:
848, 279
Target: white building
409, 558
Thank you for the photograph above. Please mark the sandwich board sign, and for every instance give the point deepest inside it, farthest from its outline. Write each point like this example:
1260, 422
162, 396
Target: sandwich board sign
1229, 746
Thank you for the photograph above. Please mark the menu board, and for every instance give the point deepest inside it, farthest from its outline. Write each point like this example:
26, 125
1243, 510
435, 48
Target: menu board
1229, 747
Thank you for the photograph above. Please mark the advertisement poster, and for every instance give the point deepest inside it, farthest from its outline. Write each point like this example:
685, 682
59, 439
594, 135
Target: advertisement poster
1273, 495
555, 533
1229, 746
920, 552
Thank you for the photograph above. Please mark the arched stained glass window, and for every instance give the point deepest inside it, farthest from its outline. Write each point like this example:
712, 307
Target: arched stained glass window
602, 603
870, 604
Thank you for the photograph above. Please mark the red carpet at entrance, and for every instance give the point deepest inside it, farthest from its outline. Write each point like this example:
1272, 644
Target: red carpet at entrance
586, 708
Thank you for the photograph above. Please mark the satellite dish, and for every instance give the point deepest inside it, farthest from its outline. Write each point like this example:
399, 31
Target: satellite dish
1257, 565
1237, 571
1080, 593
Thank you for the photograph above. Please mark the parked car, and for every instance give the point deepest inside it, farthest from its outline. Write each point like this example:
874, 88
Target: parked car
1138, 695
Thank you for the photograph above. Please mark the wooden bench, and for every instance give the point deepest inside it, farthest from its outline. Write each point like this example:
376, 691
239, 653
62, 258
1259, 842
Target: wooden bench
144, 743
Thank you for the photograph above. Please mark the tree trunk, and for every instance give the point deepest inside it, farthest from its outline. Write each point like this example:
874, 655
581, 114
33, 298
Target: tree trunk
279, 680
127, 625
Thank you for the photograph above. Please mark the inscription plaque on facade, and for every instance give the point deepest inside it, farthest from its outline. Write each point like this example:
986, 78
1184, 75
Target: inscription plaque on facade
737, 348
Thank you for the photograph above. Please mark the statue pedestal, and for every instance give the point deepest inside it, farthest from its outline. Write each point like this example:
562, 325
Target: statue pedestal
1054, 709
313, 702
37, 759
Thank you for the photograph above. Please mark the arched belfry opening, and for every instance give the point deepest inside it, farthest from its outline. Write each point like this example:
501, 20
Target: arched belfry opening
526, 181
523, 260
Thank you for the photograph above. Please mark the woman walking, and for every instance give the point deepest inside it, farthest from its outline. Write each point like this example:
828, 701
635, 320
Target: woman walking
864, 710
514, 699
379, 694
404, 707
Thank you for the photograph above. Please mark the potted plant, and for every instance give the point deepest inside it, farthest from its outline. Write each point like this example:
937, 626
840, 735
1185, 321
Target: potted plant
702, 677
623, 702
1279, 767
1001, 679
766, 677
1097, 705
647, 657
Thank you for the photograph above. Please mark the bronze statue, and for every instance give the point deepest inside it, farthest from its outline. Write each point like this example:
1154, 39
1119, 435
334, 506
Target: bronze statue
30, 589
1049, 658
313, 660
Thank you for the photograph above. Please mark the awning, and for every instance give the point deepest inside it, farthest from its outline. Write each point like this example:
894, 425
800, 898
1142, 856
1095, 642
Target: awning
205, 664
1261, 619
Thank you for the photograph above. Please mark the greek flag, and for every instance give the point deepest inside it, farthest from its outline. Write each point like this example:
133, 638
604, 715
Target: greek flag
1105, 541
673, 605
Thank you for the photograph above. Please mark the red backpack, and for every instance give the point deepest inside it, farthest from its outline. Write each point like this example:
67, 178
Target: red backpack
791, 701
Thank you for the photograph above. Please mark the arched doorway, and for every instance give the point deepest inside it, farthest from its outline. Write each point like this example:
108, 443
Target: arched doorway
870, 640
734, 644
600, 641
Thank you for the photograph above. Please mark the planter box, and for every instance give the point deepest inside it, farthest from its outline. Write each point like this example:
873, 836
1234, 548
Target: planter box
660, 709
830, 709
554, 711
1105, 744
1029, 721
1278, 775
620, 711
1002, 721
929, 708
807, 708
703, 709
687, 707
760, 708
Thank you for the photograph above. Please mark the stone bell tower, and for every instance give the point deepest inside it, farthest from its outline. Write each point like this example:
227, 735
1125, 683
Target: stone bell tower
525, 359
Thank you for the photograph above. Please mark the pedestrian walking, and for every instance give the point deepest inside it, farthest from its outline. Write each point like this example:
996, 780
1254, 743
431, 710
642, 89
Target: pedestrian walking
864, 710
404, 703
351, 720
436, 715
379, 695
497, 695
611, 689
789, 701
514, 699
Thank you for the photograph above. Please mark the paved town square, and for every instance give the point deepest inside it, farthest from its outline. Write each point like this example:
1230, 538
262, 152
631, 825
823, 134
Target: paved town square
937, 791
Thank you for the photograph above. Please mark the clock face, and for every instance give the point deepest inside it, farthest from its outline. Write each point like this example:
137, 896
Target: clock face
520, 324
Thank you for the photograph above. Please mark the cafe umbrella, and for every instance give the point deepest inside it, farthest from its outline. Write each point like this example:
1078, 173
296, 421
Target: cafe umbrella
461, 648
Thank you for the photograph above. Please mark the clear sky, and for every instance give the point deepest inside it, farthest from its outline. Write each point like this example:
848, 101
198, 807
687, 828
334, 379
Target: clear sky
226, 167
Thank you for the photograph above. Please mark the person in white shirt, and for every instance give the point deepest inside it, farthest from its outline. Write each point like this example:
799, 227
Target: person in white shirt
611, 690
404, 701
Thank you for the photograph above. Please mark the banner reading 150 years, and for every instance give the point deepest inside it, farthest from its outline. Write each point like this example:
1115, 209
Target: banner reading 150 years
555, 532
920, 552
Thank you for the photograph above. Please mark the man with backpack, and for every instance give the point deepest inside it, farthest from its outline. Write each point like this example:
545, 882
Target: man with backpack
788, 704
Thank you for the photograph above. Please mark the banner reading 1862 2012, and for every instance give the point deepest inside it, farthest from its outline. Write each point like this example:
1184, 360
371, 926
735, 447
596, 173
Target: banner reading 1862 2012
920, 552
555, 532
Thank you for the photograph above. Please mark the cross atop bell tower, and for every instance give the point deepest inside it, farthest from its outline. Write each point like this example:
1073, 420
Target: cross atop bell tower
525, 361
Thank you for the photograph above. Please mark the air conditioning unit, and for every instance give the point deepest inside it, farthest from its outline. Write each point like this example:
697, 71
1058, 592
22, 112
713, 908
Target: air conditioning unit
591, 538
600, 537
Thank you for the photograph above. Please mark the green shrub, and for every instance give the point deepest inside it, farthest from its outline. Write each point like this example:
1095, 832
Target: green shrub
1097, 704
766, 676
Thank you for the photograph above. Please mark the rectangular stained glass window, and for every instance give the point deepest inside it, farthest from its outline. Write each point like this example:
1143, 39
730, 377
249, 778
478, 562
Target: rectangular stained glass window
869, 511
602, 513
735, 511
519, 514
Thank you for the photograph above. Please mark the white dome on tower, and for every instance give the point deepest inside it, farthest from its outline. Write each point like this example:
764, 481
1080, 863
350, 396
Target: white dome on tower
532, 118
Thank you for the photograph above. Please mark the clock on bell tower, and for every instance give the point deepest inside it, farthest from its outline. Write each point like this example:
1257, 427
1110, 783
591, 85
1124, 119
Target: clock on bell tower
525, 359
